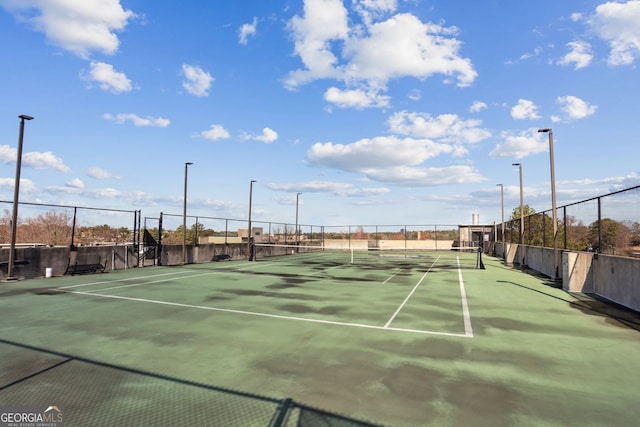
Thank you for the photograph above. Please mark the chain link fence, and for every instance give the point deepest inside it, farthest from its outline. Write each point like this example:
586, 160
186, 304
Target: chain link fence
609, 224
59, 225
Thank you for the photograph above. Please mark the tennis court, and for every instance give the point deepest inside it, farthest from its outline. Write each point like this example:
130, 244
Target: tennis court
394, 339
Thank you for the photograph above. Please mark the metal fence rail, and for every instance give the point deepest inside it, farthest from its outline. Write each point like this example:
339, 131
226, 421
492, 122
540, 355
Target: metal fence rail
40, 224
608, 224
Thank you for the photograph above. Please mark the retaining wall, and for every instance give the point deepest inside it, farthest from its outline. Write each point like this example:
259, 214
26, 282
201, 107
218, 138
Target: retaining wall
612, 277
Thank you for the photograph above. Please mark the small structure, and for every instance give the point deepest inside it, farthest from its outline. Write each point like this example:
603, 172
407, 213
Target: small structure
475, 234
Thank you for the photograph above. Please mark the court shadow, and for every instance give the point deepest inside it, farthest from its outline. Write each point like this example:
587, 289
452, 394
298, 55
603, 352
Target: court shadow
95, 391
593, 305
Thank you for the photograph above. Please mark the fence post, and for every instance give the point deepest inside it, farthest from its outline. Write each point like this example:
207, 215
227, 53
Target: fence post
564, 225
282, 411
600, 249
159, 254
73, 229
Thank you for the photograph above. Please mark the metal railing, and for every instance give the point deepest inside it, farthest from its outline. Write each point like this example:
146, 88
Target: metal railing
608, 224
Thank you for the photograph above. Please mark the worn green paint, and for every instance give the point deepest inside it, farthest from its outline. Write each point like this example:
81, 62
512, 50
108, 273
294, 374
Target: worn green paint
538, 355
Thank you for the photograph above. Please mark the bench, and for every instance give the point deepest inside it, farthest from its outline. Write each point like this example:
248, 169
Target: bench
85, 268
222, 257
16, 262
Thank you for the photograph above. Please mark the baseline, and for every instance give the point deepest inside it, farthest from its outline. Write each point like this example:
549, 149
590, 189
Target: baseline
273, 316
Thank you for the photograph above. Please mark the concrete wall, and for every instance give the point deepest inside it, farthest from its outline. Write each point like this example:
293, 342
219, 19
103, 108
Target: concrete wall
172, 254
617, 279
416, 244
346, 244
59, 258
541, 260
577, 272
612, 277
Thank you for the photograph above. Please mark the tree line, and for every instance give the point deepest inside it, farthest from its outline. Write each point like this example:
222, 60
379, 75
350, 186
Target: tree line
606, 236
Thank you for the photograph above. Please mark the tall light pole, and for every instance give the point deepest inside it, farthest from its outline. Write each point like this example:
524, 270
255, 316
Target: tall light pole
553, 201
249, 233
502, 205
521, 212
184, 215
297, 234
16, 195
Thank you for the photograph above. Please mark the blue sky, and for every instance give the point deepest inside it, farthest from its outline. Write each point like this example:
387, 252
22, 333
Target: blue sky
377, 111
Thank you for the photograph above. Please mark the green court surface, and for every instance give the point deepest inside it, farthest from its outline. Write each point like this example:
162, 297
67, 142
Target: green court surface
415, 341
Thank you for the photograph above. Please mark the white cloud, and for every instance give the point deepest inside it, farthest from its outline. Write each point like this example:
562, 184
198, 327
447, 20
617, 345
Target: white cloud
137, 120
477, 106
215, 132
268, 136
99, 193
36, 160
324, 21
376, 7
108, 78
373, 9
379, 152
247, 30
408, 176
109, 193
619, 25
446, 127
367, 57
525, 109
46, 160
337, 188
98, 173
355, 98
415, 95
520, 145
79, 27
197, 81
401, 160
580, 55
75, 183
405, 46
8, 154
536, 52
26, 185
575, 107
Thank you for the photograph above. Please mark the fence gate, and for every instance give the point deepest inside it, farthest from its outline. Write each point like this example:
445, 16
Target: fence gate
149, 253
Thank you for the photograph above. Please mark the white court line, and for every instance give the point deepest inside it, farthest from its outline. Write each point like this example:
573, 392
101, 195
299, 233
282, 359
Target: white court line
107, 282
149, 283
116, 281
468, 330
207, 273
388, 278
410, 293
273, 316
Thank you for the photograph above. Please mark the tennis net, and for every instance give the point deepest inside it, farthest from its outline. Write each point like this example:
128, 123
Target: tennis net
470, 257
